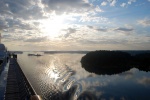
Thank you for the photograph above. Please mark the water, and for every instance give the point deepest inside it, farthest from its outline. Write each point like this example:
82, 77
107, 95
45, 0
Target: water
61, 77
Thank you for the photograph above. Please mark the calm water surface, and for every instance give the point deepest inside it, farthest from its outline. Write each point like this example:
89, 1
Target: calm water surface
61, 77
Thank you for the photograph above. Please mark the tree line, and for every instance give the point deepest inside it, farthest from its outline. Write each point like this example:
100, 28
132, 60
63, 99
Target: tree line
113, 62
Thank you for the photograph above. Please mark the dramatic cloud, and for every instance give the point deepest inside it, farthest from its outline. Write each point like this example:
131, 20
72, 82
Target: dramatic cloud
26, 10
145, 22
67, 6
94, 23
17, 8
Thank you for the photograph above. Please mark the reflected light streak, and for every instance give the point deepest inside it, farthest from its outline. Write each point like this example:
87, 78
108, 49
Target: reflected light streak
52, 73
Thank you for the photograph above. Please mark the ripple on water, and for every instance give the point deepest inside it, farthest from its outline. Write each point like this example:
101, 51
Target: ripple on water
53, 80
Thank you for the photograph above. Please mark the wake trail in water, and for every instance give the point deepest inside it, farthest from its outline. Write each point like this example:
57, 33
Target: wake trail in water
58, 82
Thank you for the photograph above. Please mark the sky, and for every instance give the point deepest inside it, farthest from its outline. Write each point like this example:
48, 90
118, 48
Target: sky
37, 25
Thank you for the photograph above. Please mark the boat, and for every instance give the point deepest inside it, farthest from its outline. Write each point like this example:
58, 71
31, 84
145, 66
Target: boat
38, 55
31, 54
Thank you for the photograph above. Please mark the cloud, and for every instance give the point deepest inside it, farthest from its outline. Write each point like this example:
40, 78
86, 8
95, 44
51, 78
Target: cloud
21, 9
6, 36
102, 30
102, 41
106, 37
104, 3
131, 1
4, 8
24, 14
3, 24
112, 2
66, 6
148, 0
123, 4
124, 29
15, 18
114, 36
25, 26
12, 37
97, 9
94, 19
18, 24
23, 20
89, 26
69, 32
98, 29
36, 39
34, 12
128, 74
144, 22
16, 6
144, 81
88, 84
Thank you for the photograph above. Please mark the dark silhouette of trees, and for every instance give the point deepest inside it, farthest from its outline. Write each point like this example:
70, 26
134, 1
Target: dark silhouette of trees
113, 62
142, 61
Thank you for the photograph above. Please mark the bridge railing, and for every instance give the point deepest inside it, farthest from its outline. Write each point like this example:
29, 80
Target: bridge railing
26, 91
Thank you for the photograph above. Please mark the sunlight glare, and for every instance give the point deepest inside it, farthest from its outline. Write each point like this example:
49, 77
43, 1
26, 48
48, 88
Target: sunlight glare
52, 26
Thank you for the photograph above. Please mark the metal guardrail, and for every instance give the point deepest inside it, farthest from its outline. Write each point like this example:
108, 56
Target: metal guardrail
22, 79
25, 89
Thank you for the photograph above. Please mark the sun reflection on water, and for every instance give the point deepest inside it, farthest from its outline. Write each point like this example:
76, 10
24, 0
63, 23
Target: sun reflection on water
52, 73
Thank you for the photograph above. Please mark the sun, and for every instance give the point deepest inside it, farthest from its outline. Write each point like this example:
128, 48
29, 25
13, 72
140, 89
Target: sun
52, 26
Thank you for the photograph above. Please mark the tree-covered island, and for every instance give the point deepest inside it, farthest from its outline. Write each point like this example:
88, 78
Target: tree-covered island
113, 62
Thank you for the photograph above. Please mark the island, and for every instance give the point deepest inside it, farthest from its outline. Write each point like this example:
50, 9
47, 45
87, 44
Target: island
114, 62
